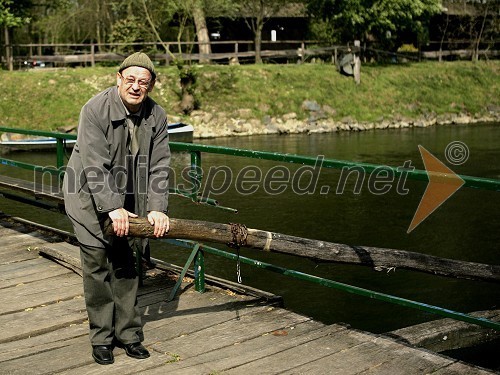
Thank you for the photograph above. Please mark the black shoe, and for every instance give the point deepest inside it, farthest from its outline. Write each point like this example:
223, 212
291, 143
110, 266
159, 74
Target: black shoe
136, 350
103, 354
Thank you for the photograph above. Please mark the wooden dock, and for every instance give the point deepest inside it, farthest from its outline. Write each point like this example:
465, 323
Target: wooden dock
44, 328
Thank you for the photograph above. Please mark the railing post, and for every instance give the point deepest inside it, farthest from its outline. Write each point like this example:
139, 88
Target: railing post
60, 153
60, 158
199, 271
194, 253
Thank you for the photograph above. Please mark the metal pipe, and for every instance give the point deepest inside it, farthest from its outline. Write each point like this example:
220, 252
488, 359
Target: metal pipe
196, 149
417, 174
41, 133
199, 271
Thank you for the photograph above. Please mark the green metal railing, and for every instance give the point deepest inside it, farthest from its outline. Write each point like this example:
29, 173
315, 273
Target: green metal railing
196, 160
198, 249
420, 175
60, 147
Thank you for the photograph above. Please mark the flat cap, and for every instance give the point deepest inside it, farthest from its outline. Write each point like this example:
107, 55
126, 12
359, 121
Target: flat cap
138, 59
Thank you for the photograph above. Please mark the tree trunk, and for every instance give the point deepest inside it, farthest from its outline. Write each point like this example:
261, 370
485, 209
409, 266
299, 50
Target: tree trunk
377, 258
443, 36
480, 36
8, 50
257, 27
258, 44
155, 31
201, 32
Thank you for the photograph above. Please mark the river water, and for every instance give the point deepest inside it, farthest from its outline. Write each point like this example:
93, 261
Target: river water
465, 227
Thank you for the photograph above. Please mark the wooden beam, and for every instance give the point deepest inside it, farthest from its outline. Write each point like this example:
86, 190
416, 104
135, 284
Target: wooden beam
377, 258
449, 334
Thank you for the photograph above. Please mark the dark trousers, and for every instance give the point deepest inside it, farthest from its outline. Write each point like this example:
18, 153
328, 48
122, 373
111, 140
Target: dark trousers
110, 284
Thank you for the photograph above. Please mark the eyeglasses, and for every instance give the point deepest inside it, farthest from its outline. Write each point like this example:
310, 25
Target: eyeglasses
130, 80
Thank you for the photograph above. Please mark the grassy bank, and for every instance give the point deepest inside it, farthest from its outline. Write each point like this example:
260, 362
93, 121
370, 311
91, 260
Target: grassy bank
47, 99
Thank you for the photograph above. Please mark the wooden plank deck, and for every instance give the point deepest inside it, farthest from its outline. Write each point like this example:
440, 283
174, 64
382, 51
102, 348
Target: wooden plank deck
45, 329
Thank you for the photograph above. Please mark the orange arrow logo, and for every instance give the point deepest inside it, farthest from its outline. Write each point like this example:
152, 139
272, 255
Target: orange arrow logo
443, 183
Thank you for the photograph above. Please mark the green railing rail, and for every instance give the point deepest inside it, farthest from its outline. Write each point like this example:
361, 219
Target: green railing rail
198, 249
197, 254
420, 175
60, 147
197, 149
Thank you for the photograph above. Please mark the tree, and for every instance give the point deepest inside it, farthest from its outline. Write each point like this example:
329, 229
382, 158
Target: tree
468, 24
201, 31
487, 26
387, 21
101, 22
197, 11
256, 13
192, 12
397, 19
12, 15
327, 22
72, 21
478, 22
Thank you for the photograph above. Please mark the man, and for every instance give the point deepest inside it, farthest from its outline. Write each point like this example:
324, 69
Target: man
118, 169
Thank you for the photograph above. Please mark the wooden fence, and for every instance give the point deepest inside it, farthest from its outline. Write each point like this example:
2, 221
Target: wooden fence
222, 51
225, 52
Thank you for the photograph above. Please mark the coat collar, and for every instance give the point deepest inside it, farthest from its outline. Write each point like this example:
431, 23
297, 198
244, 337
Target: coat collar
117, 110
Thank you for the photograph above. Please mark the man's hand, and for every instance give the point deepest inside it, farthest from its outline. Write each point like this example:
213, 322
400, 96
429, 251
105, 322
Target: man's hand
160, 221
120, 221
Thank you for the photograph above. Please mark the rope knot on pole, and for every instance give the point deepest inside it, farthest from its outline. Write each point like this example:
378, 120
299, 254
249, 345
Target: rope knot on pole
239, 233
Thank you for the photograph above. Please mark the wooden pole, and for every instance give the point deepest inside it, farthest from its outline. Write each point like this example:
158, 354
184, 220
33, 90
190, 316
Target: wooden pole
92, 55
357, 62
357, 69
377, 258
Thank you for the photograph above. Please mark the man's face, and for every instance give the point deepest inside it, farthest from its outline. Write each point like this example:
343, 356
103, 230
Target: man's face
134, 85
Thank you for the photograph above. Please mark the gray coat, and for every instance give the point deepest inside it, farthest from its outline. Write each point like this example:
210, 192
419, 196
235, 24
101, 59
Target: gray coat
96, 177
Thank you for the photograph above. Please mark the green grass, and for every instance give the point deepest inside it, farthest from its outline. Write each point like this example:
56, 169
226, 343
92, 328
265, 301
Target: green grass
53, 98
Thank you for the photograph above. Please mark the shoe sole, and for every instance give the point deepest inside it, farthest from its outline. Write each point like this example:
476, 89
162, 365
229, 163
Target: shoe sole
103, 362
137, 356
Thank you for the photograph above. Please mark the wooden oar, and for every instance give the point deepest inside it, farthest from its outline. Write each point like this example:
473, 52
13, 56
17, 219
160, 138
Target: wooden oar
377, 258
